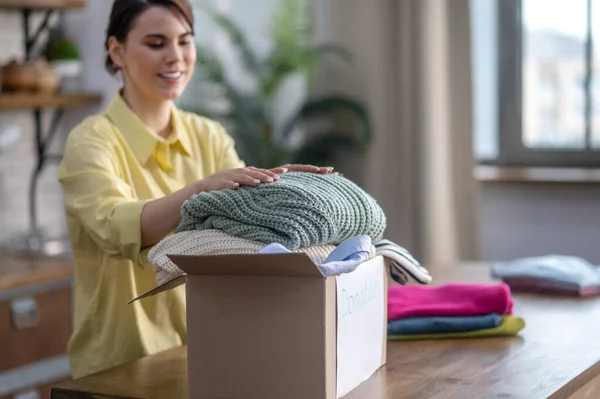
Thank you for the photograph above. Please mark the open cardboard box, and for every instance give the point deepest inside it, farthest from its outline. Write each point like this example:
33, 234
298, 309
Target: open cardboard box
271, 326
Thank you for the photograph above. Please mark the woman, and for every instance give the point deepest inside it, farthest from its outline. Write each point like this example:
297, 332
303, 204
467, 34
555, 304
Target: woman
125, 174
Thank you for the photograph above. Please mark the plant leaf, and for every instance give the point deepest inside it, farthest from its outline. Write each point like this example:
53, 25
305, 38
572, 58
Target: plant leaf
339, 50
291, 27
237, 38
278, 70
247, 125
283, 62
210, 64
291, 32
245, 114
312, 58
211, 71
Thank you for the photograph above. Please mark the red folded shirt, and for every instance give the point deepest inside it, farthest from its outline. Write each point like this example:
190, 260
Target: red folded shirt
453, 299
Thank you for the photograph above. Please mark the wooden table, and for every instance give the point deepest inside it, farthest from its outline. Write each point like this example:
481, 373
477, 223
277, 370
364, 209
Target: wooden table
19, 271
556, 356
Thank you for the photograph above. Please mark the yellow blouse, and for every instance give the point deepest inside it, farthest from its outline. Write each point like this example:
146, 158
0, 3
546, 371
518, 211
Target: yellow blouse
112, 165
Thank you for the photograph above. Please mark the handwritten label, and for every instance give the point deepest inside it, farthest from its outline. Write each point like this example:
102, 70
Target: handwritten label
354, 301
361, 314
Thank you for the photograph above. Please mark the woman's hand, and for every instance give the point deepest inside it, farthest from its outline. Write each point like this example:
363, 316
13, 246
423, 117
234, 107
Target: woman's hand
252, 176
234, 178
160, 216
302, 168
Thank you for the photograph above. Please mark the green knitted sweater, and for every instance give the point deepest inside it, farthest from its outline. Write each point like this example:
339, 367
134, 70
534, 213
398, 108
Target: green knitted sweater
299, 210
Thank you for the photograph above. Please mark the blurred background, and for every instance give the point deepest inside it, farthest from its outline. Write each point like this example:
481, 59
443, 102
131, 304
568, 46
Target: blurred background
475, 124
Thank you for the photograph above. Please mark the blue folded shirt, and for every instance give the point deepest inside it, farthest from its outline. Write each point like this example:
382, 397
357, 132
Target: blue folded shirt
445, 324
555, 268
345, 258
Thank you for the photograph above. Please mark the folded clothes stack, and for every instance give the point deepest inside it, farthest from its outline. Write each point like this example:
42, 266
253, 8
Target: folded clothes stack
551, 274
454, 310
299, 210
327, 217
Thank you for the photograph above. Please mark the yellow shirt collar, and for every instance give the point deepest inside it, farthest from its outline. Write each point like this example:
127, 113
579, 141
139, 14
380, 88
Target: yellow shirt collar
143, 141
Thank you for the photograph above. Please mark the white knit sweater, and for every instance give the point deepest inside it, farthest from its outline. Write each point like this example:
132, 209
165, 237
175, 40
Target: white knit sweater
212, 242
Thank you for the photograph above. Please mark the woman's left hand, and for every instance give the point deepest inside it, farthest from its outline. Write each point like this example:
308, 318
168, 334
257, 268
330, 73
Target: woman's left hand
302, 168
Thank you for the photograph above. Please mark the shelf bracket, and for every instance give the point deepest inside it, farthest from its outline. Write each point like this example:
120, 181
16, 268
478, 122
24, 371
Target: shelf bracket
42, 143
29, 39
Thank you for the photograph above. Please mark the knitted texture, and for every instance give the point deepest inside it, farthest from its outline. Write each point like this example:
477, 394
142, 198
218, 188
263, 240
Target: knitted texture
212, 242
299, 210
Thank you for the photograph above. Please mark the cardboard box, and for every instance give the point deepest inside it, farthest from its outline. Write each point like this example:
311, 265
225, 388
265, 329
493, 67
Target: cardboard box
271, 326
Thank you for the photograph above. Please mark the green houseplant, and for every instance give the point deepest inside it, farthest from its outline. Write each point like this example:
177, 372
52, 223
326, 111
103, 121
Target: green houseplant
61, 48
249, 115
63, 55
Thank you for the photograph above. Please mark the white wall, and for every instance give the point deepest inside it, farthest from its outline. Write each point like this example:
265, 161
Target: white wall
518, 220
88, 27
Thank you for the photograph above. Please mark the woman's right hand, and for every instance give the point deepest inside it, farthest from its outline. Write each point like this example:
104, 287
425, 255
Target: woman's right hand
234, 178
161, 216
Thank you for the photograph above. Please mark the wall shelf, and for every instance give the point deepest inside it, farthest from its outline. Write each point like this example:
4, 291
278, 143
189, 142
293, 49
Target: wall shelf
42, 4
38, 103
12, 101
45, 282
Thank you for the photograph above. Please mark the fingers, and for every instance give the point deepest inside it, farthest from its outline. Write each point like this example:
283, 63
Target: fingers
234, 178
264, 175
254, 177
231, 184
248, 180
245, 180
305, 168
280, 170
250, 176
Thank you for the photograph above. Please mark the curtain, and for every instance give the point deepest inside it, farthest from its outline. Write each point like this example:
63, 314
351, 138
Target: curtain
412, 68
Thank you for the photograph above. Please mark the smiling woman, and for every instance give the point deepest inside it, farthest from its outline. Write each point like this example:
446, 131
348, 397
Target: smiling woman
159, 58
125, 174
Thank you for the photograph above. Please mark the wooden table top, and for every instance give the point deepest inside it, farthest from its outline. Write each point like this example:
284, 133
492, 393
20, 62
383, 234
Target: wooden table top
556, 356
18, 271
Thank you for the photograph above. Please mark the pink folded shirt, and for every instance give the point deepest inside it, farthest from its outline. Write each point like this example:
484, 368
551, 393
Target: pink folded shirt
453, 299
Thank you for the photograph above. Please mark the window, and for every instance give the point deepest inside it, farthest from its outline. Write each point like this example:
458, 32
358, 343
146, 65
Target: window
545, 84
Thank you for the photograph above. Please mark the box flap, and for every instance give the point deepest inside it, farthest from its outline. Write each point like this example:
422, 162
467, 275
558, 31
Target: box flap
175, 282
280, 265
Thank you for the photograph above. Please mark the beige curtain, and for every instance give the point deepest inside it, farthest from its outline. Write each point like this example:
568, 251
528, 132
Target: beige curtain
412, 67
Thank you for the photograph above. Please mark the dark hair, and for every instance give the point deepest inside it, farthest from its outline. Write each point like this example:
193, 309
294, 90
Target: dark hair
124, 14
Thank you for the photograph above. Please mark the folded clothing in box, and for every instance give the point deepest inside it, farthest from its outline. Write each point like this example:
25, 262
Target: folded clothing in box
211, 243
328, 217
299, 210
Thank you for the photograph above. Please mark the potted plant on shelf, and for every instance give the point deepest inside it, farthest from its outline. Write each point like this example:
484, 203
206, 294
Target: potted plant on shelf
309, 132
63, 55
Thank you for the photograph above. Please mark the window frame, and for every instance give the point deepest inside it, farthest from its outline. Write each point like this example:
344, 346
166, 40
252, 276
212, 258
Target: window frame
511, 150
